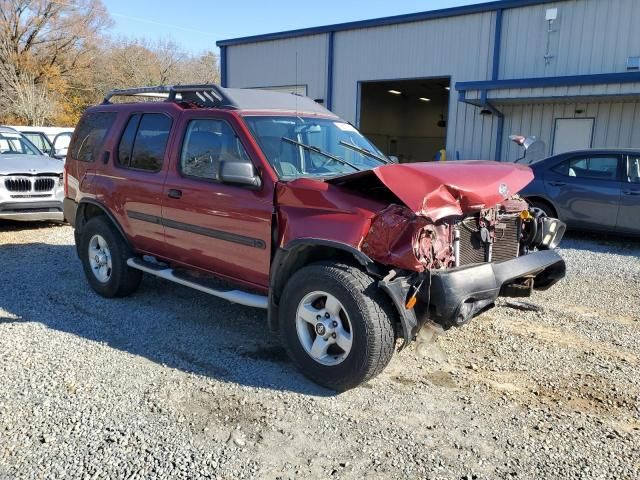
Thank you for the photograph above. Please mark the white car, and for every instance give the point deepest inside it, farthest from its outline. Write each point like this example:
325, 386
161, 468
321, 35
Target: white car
53, 141
31, 183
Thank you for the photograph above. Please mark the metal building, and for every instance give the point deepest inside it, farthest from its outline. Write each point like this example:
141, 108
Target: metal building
465, 78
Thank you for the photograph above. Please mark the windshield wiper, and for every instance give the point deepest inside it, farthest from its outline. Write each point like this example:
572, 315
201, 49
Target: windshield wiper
324, 154
364, 151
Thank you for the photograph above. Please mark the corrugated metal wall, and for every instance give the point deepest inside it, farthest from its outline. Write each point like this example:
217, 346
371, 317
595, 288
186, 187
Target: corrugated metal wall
590, 36
295, 61
458, 47
617, 124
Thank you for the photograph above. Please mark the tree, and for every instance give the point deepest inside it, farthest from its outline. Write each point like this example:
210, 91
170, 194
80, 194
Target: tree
43, 45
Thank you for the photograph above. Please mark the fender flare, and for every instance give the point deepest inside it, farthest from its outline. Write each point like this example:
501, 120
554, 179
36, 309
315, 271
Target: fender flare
284, 263
89, 201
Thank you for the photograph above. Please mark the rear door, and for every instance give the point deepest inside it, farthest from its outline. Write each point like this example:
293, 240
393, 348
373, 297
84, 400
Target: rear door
586, 190
130, 180
629, 214
221, 228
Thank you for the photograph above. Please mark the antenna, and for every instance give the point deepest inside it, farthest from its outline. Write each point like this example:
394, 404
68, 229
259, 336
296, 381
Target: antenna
296, 84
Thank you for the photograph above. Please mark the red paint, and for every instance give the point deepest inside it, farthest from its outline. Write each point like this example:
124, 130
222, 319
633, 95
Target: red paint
439, 189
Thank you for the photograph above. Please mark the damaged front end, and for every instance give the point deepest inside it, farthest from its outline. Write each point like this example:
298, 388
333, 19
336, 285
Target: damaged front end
451, 270
445, 239
452, 252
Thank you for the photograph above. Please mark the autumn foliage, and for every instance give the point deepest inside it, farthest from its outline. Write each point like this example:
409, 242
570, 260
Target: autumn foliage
57, 57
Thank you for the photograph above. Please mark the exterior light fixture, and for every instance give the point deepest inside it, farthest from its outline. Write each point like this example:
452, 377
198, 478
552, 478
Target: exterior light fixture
425, 99
447, 88
395, 92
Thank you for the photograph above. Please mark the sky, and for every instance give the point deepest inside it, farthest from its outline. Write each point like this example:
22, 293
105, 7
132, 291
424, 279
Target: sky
197, 24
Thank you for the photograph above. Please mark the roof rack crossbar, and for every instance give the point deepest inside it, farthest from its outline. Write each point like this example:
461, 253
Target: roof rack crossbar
206, 95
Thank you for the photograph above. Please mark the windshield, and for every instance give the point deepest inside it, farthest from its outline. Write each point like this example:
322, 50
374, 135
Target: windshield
16, 143
312, 147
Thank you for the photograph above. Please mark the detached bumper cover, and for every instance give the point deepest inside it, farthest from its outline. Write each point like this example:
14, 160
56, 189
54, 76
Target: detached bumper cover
458, 295
453, 297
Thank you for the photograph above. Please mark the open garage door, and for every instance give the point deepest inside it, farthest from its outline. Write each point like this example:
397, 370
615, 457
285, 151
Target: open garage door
406, 118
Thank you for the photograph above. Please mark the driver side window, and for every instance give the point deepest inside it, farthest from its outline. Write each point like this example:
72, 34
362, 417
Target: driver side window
207, 143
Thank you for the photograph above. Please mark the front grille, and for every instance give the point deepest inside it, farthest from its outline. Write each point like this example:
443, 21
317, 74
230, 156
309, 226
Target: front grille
44, 184
505, 247
18, 184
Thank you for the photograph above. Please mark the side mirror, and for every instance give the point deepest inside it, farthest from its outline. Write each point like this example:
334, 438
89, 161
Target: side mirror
239, 173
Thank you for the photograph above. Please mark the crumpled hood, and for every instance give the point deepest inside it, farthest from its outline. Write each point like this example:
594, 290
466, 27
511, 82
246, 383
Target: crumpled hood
26, 164
439, 189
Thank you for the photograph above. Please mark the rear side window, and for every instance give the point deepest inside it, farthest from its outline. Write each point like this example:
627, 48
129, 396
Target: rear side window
90, 135
598, 167
144, 141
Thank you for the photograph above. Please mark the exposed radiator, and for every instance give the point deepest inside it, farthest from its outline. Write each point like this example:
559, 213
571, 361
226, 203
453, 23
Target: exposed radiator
505, 247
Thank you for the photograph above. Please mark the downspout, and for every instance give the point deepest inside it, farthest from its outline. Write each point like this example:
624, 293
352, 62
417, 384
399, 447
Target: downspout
495, 73
223, 66
329, 104
500, 127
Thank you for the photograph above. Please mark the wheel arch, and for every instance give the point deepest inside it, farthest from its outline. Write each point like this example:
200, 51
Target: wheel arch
88, 209
301, 252
544, 200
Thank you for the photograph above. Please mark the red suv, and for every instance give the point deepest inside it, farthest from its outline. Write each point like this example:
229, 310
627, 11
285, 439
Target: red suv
269, 200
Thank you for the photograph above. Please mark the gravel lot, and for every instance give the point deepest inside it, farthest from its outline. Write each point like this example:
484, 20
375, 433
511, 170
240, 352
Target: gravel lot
171, 383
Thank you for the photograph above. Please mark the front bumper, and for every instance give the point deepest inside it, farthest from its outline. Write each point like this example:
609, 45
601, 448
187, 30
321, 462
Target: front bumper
32, 210
458, 295
454, 296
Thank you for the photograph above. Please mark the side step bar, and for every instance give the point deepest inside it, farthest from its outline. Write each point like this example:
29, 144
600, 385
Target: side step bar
235, 296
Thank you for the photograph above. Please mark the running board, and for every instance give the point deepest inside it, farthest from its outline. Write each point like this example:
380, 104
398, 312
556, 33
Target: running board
235, 296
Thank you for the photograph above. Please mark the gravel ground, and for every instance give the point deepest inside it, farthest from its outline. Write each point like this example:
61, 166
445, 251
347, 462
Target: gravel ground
170, 383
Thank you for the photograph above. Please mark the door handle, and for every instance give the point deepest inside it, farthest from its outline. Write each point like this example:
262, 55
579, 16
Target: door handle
173, 193
631, 192
105, 157
557, 184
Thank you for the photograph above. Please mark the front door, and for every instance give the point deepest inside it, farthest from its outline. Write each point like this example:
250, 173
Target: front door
629, 214
221, 228
586, 190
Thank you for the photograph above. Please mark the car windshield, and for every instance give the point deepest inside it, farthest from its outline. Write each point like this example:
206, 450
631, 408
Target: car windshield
12, 143
312, 147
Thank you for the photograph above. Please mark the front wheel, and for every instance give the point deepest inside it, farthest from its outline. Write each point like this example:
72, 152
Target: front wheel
337, 325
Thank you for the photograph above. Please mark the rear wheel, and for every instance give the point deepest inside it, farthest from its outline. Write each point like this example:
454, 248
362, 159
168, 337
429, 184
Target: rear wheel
337, 325
104, 255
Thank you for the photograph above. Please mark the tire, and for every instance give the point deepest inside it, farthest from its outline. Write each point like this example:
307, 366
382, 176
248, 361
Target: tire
116, 279
365, 317
544, 207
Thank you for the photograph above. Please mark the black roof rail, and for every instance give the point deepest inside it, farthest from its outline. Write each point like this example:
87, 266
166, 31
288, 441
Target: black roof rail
203, 95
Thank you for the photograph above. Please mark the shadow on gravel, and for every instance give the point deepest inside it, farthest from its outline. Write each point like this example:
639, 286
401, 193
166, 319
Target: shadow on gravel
163, 322
13, 226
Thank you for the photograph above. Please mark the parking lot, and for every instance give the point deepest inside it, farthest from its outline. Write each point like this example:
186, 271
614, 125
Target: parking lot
171, 383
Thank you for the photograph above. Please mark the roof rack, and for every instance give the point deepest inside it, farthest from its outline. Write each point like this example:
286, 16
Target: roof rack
204, 95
